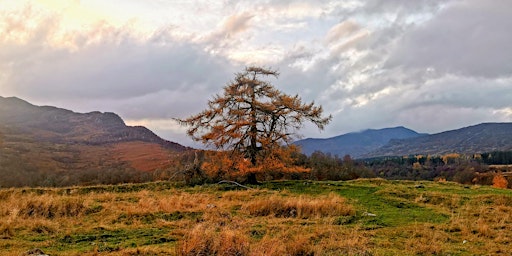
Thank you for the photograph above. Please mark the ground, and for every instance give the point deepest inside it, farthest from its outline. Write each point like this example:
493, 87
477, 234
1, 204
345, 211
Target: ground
361, 217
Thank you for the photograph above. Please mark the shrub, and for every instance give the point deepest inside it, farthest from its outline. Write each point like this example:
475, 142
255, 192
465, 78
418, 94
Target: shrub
499, 181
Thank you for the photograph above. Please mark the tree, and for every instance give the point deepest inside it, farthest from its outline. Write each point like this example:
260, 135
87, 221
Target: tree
252, 118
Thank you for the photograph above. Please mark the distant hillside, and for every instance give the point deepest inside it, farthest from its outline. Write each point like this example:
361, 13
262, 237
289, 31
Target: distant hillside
35, 141
58, 125
356, 144
480, 138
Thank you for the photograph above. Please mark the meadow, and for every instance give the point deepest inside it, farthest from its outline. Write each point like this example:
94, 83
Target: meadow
358, 217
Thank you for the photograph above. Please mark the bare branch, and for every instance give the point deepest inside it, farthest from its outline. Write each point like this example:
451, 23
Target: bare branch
233, 182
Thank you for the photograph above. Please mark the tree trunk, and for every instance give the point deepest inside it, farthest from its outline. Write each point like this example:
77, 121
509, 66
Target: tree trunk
251, 179
254, 129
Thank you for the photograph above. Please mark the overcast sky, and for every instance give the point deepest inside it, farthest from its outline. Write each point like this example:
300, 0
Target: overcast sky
427, 65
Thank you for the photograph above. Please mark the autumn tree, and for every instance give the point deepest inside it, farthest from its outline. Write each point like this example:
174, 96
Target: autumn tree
253, 119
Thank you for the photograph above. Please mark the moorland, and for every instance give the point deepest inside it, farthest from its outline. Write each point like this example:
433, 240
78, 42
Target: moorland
358, 217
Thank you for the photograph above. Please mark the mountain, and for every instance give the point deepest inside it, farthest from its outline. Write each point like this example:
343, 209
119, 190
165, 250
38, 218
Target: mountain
64, 126
45, 139
356, 144
479, 138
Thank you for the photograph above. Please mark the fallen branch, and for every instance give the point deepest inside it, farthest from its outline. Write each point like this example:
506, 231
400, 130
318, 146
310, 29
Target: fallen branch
233, 182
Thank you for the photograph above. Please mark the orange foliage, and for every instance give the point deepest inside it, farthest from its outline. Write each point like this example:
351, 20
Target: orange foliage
233, 165
499, 181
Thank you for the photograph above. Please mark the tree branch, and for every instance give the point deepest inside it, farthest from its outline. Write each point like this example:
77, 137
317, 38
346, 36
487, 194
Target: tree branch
235, 183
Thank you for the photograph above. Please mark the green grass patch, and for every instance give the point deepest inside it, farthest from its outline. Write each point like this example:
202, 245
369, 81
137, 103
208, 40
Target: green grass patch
106, 240
378, 203
151, 218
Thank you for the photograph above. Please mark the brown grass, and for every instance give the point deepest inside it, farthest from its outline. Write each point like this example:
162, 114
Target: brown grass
204, 239
203, 223
295, 225
209, 221
303, 207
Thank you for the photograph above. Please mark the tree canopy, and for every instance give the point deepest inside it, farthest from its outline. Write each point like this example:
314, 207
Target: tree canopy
252, 117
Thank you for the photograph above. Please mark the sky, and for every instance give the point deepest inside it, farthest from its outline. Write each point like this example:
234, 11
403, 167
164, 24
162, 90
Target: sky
429, 65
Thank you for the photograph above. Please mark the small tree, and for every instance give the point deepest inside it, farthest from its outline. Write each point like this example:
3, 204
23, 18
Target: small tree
252, 118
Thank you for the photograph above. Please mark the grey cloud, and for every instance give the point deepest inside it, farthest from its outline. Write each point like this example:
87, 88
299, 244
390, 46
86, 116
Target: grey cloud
115, 71
432, 89
469, 38
398, 6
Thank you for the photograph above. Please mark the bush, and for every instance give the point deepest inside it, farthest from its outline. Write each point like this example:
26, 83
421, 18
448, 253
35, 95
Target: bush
499, 181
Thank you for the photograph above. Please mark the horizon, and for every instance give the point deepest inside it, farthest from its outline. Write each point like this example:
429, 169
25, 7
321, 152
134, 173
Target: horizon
200, 146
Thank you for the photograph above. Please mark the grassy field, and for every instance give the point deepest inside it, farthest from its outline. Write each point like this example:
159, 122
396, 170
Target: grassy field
361, 217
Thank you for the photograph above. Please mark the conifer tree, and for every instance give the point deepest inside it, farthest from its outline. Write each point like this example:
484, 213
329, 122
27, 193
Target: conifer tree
252, 118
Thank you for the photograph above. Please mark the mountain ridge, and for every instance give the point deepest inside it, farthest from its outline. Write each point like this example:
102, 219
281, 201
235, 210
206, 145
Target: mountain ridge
355, 144
400, 141
65, 126
479, 138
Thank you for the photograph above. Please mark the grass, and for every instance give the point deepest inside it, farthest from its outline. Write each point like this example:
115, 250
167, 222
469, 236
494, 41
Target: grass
361, 217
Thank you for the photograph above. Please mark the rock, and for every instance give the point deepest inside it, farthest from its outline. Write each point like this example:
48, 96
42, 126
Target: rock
293, 213
369, 214
420, 186
35, 252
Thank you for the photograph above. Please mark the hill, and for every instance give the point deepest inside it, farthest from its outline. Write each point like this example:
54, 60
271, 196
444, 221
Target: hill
486, 137
356, 144
59, 125
37, 140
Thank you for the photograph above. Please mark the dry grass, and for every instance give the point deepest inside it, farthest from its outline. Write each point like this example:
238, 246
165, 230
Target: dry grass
303, 207
204, 239
294, 225
195, 222
311, 219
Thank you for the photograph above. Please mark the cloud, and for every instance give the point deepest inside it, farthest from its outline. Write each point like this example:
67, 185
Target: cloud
469, 38
341, 31
119, 67
236, 23
109, 69
430, 65
449, 60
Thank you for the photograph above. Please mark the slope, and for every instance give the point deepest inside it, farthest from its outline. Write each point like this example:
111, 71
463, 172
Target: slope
355, 144
479, 138
38, 142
